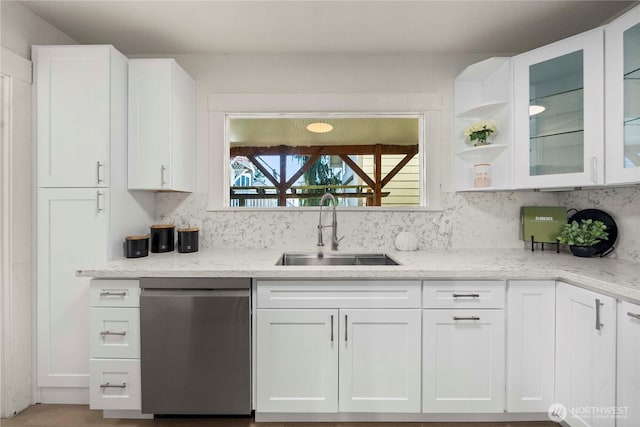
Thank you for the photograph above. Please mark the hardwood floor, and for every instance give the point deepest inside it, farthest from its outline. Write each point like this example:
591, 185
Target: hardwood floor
81, 415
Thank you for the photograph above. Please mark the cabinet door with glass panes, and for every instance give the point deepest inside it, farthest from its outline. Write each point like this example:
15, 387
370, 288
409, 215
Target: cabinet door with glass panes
622, 105
559, 114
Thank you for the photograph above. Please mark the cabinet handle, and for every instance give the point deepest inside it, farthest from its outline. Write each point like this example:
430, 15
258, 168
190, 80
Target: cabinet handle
332, 328
466, 295
634, 315
113, 294
346, 337
466, 318
163, 168
99, 166
594, 170
598, 324
107, 385
104, 333
98, 196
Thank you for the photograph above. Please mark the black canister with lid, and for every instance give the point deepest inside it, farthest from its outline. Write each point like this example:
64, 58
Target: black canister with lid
187, 240
136, 246
162, 238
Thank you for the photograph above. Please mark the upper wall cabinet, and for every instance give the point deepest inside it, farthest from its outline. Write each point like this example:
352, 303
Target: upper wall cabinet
483, 94
162, 126
73, 110
559, 114
622, 109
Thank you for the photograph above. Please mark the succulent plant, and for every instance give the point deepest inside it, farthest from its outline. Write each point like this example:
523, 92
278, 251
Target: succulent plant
586, 233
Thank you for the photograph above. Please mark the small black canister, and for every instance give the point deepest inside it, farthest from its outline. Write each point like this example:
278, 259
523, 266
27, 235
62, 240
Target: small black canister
162, 238
187, 240
136, 246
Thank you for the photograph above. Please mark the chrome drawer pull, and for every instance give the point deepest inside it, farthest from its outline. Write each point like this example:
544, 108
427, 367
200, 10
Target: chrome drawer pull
107, 385
113, 294
599, 324
634, 315
332, 328
103, 333
466, 318
466, 295
98, 170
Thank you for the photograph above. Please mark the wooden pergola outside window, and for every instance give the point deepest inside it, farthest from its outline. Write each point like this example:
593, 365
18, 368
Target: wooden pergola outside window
375, 184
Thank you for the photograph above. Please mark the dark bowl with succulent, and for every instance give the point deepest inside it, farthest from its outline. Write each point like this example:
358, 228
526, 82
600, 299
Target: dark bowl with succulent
582, 237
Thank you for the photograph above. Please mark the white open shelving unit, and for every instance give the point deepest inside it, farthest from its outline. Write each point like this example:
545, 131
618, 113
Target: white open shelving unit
483, 91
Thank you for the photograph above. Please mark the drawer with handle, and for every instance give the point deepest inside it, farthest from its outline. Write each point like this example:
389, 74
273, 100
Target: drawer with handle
114, 332
115, 384
114, 293
463, 294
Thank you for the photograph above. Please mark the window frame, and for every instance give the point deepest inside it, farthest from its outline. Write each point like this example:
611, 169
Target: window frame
428, 108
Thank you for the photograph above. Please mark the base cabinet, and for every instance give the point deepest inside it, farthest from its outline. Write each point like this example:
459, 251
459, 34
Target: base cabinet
297, 362
114, 337
531, 323
585, 355
628, 375
338, 346
379, 361
463, 353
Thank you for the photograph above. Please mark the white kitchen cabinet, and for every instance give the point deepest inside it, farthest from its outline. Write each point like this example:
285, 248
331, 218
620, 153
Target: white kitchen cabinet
483, 92
332, 346
463, 361
379, 361
531, 314
628, 375
162, 126
297, 360
73, 113
114, 350
562, 146
622, 104
72, 232
81, 133
585, 354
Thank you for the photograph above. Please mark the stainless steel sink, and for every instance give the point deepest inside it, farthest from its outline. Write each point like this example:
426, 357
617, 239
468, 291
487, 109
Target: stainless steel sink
335, 259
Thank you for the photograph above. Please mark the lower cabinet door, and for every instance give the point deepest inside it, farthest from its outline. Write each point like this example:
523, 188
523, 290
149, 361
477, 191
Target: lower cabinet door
585, 356
115, 384
463, 361
531, 328
72, 230
297, 360
380, 360
628, 365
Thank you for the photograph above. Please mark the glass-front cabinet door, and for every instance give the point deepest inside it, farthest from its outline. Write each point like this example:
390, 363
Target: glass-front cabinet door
622, 119
559, 115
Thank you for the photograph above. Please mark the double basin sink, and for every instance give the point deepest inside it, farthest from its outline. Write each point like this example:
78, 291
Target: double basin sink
335, 259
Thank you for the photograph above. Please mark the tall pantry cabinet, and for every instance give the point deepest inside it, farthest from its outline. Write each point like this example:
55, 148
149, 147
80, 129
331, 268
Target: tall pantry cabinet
83, 207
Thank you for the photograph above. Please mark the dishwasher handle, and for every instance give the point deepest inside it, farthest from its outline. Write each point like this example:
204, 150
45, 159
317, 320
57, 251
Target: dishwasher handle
191, 293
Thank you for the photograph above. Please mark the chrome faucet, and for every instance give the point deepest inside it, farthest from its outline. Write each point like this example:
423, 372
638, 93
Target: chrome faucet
334, 224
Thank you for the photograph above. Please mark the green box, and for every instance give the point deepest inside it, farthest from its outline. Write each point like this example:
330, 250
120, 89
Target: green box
544, 223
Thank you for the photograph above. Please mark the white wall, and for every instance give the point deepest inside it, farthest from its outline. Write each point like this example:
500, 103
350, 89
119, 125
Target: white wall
20, 28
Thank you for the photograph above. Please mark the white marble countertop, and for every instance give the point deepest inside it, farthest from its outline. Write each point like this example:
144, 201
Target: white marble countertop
612, 277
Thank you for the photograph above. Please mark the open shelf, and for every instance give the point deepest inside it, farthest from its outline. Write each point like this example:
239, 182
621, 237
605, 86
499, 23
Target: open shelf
482, 110
482, 153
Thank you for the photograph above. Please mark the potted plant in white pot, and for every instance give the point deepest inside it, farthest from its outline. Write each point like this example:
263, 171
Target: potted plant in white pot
582, 237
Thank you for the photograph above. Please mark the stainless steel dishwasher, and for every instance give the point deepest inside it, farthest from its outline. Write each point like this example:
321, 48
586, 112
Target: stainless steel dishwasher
195, 346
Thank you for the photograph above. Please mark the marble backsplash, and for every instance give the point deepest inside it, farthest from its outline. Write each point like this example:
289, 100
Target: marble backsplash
468, 220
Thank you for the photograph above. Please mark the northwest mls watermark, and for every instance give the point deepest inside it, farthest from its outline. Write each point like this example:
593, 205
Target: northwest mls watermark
558, 412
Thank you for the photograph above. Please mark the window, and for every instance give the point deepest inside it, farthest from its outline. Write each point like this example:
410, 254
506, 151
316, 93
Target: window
363, 160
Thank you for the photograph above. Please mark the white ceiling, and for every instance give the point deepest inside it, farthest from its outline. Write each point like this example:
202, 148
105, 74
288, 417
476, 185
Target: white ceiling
371, 27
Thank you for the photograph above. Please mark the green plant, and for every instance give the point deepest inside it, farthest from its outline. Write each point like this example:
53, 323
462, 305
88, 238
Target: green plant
587, 233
